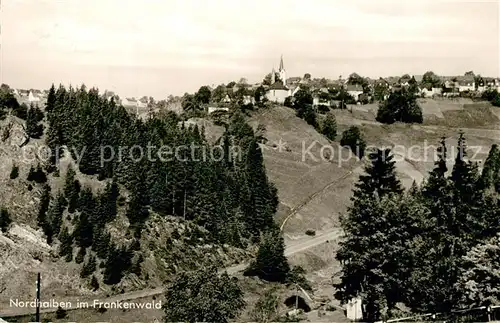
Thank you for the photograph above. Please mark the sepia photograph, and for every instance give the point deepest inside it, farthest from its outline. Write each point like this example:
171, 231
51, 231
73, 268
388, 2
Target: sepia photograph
249, 161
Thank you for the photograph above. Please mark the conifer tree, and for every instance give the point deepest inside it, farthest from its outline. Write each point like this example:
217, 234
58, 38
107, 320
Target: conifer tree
329, 126
83, 232
380, 178
88, 267
55, 213
80, 256
5, 219
490, 175
66, 248
33, 127
94, 283
42, 219
366, 231
271, 263
117, 264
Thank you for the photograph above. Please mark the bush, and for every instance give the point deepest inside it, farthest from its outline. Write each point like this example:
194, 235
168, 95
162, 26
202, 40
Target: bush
20, 111
14, 173
61, 313
37, 176
5, 220
329, 127
310, 232
323, 109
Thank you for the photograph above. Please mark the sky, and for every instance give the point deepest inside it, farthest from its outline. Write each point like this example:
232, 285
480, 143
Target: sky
162, 47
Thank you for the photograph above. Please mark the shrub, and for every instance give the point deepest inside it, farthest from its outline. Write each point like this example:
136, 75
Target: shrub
353, 139
5, 220
310, 232
61, 313
14, 173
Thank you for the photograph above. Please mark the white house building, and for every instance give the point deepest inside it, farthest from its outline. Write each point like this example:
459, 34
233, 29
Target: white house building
33, 97
466, 84
354, 90
277, 92
213, 109
129, 102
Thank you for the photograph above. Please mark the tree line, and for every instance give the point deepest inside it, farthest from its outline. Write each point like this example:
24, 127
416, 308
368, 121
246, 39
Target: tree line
231, 197
433, 247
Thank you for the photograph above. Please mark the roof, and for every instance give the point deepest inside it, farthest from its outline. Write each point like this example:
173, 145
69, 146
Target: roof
278, 86
131, 99
418, 78
465, 80
354, 87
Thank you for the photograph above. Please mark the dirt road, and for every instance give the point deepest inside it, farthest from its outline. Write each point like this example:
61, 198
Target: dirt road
6, 310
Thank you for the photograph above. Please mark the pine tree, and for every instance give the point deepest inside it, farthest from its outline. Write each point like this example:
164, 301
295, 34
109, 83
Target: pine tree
137, 211
89, 267
366, 231
490, 176
108, 201
83, 232
380, 178
271, 263
55, 213
102, 242
5, 219
42, 220
33, 128
329, 126
80, 256
117, 263
66, 247
71, 190
94, 283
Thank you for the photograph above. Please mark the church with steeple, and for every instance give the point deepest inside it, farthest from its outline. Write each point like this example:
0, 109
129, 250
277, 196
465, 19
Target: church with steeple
281, 73
278, 91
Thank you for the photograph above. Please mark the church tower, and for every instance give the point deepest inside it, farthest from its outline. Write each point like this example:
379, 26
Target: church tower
282, 71
273, 76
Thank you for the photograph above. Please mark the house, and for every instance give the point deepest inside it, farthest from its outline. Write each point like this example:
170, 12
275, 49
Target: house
129, 102
248, 99
34, 96
213, 109
23, 93
226, 99
466, 83
277, 92
293, 80
354, 90
143, 102
321, 98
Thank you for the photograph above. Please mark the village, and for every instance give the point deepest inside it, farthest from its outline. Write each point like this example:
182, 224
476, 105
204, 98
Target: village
354, 89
